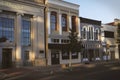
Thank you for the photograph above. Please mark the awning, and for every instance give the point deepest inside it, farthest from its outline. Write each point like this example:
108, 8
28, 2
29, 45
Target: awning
65, 47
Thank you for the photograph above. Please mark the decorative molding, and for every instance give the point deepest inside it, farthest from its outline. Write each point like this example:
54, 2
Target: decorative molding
12, 5
20, 14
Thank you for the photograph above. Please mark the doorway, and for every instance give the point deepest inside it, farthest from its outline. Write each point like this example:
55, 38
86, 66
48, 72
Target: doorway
55, 57
6, 57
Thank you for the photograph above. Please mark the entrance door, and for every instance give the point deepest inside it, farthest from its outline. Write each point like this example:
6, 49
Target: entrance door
91, 55
55, 58
6, 58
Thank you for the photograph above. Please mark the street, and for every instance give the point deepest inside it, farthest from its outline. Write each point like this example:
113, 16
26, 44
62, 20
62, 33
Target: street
86, 72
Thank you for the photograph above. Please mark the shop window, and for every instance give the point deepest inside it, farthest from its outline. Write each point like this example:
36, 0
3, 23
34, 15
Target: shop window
65, 55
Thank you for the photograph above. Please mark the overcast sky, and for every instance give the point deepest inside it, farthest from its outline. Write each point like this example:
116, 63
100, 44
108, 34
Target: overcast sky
104, 10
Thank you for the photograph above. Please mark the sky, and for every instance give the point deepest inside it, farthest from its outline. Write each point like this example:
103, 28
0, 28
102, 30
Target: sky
102, 10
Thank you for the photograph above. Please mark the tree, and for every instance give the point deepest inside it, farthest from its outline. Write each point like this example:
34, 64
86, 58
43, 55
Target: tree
3, 39
74, 45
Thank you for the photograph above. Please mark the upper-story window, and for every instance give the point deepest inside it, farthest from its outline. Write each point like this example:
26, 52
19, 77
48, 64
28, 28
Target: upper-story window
84, 33
7, 27
109, 34
97, 34
64, 22
74, 23
90, 33
53, 21
26, 31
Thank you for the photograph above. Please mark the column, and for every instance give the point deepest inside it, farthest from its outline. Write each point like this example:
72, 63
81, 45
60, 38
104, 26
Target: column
48, 22
18, 40
117, 52
70, 22
34, 37
79, 30
60, 24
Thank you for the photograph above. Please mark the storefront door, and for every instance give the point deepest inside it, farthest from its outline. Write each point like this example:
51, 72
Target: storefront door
6, 58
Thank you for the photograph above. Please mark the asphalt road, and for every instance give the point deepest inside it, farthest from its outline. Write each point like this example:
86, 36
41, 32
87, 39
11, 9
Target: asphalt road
87, 72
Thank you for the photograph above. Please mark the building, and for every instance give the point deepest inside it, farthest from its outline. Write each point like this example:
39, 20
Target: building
110, 48
22, 23
91, 39
60, 16
110, 37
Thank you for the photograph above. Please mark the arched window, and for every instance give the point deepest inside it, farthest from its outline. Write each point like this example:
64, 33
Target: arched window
84, 33
90, 33
53, 21
96, 34
64, 22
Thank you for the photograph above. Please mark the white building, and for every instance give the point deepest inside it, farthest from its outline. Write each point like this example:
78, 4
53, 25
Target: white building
60, 17
22, 23
110, 47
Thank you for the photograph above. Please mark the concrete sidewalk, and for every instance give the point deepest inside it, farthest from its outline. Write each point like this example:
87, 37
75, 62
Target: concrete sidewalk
15, 73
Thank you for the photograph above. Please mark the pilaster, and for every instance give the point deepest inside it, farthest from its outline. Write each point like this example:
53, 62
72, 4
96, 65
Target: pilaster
18, 40
60, 24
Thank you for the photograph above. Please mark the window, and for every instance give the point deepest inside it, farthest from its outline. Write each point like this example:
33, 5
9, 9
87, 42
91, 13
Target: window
65, 55
90, 33
96, 34
53, 21
7, 28
26, 56
84, 33
65, 41
55, 40
109, 34
64, 22
74, 23
26, 31
75, 55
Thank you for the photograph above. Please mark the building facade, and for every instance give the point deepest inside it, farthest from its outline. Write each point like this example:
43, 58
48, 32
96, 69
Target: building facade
91, 39
110, 47
60, 17
22, 23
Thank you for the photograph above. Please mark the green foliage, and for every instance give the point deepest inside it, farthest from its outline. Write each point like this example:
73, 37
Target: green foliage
74, 45
3, 39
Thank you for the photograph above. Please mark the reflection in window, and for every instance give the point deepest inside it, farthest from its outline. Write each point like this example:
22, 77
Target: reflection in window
64, 22
75, 55
53, 21
65, 55
7, 28
26, 32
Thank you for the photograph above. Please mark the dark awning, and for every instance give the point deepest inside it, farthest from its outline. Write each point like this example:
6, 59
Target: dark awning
65, 47
58, 46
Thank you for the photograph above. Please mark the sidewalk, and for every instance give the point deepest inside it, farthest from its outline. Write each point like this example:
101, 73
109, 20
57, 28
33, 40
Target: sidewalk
14, 73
